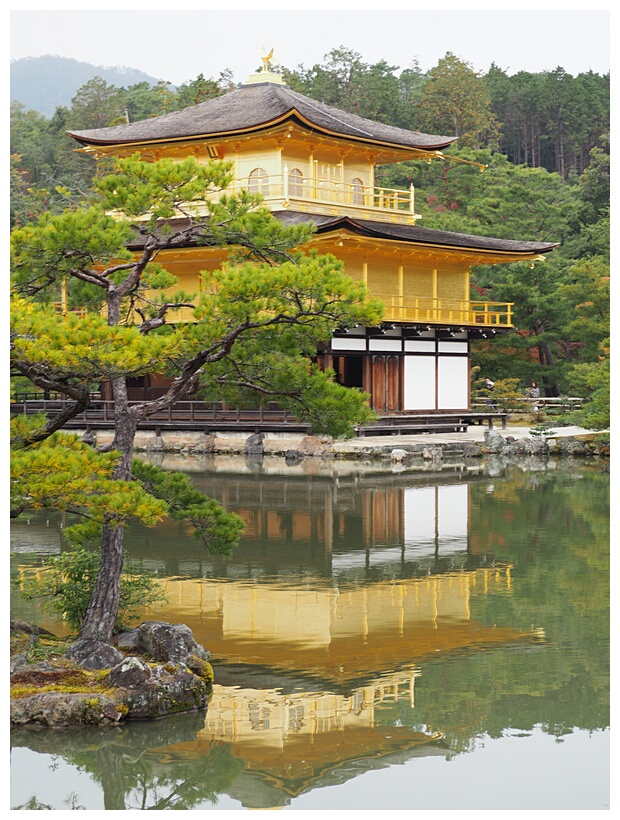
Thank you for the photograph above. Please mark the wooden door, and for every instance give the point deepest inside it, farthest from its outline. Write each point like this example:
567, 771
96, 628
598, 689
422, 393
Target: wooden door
386, 383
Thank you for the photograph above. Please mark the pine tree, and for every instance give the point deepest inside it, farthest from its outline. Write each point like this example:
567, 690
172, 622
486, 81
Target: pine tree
254, 325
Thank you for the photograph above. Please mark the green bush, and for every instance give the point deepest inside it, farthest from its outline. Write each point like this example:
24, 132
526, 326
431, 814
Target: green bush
542, 430
69, 582
505, 396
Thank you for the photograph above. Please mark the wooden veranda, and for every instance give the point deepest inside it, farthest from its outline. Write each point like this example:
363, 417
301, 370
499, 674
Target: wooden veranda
216, 417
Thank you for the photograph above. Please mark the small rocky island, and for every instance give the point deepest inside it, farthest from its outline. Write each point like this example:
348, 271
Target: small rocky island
154, 670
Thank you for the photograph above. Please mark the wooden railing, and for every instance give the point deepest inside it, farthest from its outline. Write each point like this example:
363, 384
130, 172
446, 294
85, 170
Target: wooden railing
421, 309
183, 415
565, 404
213, 417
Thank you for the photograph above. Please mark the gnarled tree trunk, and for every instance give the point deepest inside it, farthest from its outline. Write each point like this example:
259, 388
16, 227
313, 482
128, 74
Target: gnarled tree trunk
103, 607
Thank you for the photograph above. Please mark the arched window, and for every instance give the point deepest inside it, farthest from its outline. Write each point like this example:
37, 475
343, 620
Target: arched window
295, 182
357, 191
257, 182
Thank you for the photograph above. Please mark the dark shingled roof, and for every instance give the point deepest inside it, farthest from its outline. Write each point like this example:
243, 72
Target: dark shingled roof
400, 233
252, 107
412, 233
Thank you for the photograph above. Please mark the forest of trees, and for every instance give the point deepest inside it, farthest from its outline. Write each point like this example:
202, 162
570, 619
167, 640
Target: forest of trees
544, 138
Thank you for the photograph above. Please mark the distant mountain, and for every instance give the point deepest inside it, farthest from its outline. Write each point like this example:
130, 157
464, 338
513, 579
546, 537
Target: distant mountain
43, 83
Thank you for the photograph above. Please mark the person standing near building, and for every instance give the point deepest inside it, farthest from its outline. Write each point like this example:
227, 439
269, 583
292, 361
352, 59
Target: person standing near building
534, 393
490, 386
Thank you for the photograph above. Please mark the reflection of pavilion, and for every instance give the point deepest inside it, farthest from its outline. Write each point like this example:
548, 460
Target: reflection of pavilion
338, 633
334, 526
292, 743
360, 648
340, 594
355, 640
347, 525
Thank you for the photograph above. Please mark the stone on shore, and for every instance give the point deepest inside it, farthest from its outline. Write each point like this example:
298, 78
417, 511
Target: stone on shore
65, 709
169, 642
309, 447
93, 654
94, 683
254, 445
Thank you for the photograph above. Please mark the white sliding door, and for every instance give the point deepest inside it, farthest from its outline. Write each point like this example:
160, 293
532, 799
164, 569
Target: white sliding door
419, 392
453, 378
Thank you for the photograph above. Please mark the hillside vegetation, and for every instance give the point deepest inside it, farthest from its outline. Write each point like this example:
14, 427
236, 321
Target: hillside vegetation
44, 83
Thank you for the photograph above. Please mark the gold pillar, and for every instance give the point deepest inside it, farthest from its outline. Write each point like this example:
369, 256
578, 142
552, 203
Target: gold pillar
64, 297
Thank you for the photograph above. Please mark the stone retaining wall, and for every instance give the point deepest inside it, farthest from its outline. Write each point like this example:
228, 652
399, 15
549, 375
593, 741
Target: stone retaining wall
198, 443
301, 446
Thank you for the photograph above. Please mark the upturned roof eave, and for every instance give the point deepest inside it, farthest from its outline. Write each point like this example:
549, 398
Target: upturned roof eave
292, 113
365, 228
530, 251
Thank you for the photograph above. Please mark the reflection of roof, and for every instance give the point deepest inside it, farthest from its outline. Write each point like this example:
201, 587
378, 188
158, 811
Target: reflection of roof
271, 778
256, 107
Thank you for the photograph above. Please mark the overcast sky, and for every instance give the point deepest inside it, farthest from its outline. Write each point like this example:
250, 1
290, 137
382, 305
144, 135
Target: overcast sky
178, 45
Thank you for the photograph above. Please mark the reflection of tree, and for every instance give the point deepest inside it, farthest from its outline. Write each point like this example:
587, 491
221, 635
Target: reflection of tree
132, 766
549, 526
559, 551
33, 804
182, 784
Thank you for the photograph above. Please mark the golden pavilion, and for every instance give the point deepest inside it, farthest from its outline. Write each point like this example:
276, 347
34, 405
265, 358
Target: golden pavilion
314, 163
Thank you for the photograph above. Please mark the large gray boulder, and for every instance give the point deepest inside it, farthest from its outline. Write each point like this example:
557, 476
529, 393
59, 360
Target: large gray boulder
494, 442
309, 447
169, 642
536, 446
569, 446
93, 654
62, 709
254, 445
151, 691
167, 691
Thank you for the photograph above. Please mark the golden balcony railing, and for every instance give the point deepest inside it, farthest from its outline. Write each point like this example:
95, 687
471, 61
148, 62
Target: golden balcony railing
425, 310
79, 311
428, 310
321, 191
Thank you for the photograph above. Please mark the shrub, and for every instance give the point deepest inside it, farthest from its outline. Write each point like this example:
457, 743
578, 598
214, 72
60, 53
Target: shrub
69, 581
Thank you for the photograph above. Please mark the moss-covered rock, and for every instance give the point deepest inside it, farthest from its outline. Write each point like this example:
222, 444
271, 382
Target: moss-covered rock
62, 691
62, 709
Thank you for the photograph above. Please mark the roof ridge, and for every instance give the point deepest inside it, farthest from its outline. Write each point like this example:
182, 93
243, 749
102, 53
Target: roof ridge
312, 104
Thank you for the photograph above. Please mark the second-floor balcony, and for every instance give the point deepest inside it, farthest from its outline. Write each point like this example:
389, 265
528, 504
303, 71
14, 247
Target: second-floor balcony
329, 196
401, 309
432, 311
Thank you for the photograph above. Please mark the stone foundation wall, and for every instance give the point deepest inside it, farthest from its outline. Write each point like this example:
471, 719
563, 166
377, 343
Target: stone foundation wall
196, 442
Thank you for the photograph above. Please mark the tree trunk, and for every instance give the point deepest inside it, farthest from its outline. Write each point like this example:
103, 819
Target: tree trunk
103, 607
545, 356
110, 762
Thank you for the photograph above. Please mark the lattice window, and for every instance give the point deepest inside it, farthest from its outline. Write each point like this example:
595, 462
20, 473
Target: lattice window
258, 182
295, 182
357, 191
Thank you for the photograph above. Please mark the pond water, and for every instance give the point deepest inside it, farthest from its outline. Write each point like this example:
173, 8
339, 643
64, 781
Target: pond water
381, 639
